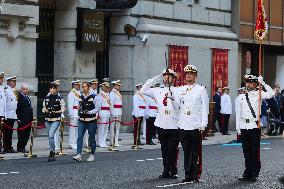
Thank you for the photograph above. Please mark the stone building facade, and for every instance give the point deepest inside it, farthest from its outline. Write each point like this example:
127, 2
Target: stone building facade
200, 25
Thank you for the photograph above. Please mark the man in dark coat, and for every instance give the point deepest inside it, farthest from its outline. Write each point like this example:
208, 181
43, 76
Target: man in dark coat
217, 100
25, 117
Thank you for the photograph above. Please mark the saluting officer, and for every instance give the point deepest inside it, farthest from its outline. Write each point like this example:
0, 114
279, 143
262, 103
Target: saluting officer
247, 125
103, 101
115, 111
73, 106
2, 106
10, 113
193, 103
166, 120
138, 112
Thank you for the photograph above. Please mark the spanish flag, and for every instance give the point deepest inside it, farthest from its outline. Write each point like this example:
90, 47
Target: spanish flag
261, 27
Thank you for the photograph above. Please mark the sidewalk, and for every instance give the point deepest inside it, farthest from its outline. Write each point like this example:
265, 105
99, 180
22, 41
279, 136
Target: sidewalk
41, 145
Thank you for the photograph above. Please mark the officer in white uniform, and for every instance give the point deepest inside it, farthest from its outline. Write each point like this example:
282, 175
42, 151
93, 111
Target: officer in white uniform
151, 114
115, 111
2, 106
166, 120
10, 113
103, 101
247, 125
226, 110
193, 107
94, 86
138, 113
73, 106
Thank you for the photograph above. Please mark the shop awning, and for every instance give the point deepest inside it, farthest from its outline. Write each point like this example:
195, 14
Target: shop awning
116, 4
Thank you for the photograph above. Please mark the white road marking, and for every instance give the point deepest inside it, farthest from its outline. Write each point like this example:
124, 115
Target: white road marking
176, 184
159, 158
3, 173
266, 148
150, 159
140, 160
14, 172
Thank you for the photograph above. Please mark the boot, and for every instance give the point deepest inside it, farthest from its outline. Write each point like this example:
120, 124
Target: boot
51, 156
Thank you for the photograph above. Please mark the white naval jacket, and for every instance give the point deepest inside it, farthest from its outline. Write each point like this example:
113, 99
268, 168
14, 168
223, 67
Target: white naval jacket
2, 101
244, 117
92, 91
11, 103
167, 115
193, 104
151, 107
102, 102
116, 103
226, 104
73, 103
139, 105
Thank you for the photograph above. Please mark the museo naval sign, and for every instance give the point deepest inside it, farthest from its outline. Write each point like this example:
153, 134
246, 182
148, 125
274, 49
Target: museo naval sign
92, 30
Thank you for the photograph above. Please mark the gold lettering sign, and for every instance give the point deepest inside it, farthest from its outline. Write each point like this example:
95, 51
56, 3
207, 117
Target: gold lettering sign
93, 30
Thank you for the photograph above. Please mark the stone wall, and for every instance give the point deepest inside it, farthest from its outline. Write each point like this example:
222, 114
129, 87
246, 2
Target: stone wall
200, 26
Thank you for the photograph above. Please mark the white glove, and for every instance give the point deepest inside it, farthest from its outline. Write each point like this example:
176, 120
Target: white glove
239, 132
202, 128
260, 80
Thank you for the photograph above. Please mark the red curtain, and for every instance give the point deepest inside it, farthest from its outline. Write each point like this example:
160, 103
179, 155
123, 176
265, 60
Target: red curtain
220, 68
178, 59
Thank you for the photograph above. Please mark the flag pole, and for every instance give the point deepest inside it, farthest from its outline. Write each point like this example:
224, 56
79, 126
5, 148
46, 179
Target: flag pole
259, 85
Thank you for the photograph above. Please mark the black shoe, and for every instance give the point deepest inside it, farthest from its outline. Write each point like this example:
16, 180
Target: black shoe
2, 151
165, 175
10, 150
119, 139
244, 178
173, 176
253, 179
23, 151
187, 180
281, 180
151, 143
51, 156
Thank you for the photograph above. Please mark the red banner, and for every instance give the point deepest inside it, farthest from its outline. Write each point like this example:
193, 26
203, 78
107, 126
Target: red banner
261, 26
220, 68
178, 56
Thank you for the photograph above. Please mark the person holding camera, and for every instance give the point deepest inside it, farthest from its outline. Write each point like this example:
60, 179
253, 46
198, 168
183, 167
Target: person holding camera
53, 107
87, 121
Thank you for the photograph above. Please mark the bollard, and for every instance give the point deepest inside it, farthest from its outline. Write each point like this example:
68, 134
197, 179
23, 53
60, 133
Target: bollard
136, 147
1, 126
31, 155
61, 153
113, 148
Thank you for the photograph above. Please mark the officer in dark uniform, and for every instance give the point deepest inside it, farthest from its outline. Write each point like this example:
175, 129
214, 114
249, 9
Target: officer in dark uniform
87, 121
53, 107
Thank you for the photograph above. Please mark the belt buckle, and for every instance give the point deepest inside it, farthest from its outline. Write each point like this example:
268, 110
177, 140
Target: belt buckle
247, 120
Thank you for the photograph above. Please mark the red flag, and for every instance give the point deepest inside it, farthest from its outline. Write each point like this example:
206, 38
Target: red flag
261, 27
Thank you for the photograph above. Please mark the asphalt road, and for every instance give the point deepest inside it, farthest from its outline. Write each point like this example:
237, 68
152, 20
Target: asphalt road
222, 165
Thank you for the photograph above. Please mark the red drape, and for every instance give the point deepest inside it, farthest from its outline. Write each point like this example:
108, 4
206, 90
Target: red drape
220, 68
178, 59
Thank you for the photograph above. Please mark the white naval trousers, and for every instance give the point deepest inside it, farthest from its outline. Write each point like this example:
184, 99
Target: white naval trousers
144, 127
114, 135
102, 132
73, 132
